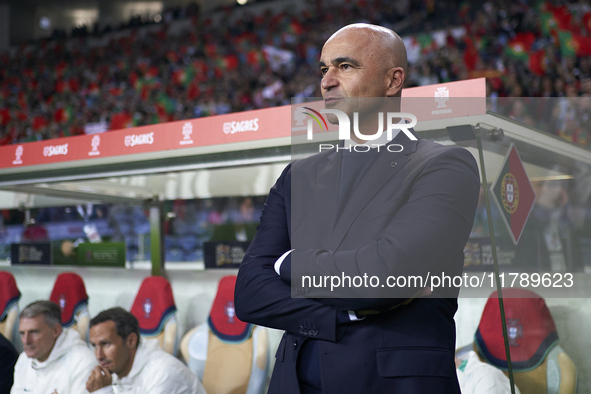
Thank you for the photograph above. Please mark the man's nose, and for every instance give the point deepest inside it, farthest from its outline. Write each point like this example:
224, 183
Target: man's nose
329, 79
99, 354
27, 339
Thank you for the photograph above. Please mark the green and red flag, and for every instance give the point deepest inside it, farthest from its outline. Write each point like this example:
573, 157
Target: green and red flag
548, 23
151, 74
256, 58
481, 43
517, 50
537, 62
184, 76
63, 115
426, 42
573, 44
513, 194
228, 62
166, 103
121, 120
464, 9
519, 46
567, 44
563, 17
295, 27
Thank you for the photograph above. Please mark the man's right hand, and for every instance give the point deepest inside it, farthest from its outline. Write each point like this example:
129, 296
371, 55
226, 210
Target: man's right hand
99, 377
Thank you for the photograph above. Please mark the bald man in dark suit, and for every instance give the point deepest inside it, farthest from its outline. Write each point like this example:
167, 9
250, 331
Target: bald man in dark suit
400, 212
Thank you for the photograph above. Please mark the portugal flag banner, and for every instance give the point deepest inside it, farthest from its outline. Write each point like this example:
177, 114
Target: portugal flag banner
514, 194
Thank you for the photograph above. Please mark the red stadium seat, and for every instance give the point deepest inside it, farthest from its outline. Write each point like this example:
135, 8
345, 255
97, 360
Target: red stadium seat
228, 355
155, 310
69, 293
9, 296
540, 366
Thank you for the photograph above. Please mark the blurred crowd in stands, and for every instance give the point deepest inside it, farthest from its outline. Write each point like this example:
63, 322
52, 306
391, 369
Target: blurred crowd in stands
190, 65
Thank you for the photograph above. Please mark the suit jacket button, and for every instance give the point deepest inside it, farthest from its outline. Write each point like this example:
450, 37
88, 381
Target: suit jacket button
295, 344
393, 164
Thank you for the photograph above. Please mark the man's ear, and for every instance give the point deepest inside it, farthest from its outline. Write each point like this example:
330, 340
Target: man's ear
56, 330
396, 77
132, 340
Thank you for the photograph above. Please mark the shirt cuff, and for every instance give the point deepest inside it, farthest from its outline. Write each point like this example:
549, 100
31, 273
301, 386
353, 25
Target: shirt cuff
353, 316
277, 265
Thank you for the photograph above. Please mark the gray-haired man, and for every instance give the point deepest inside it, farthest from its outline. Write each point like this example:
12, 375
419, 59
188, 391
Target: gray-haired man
55, 360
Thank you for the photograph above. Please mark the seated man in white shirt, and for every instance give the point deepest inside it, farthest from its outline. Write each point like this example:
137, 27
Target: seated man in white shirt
476, 377
55, 359
128, 364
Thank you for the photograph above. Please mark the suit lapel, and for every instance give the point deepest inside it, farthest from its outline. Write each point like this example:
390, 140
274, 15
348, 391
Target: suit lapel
385, 166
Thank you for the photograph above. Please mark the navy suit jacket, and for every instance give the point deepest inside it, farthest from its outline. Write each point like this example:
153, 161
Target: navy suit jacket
410, 215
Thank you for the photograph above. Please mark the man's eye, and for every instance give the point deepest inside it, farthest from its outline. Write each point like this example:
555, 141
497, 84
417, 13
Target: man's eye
323, 70
345, 66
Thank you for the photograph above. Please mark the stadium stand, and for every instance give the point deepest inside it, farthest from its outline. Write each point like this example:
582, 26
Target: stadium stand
186, 66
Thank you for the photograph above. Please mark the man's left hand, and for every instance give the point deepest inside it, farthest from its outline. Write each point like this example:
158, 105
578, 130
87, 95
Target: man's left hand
99, 377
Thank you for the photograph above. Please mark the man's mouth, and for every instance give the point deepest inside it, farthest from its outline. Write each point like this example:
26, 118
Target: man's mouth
331, 100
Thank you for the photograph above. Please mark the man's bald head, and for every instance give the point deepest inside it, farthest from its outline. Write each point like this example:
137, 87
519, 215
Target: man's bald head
387, 42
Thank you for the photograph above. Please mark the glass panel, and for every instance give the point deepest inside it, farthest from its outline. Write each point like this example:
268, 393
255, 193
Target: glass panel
542, 252
191, 223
